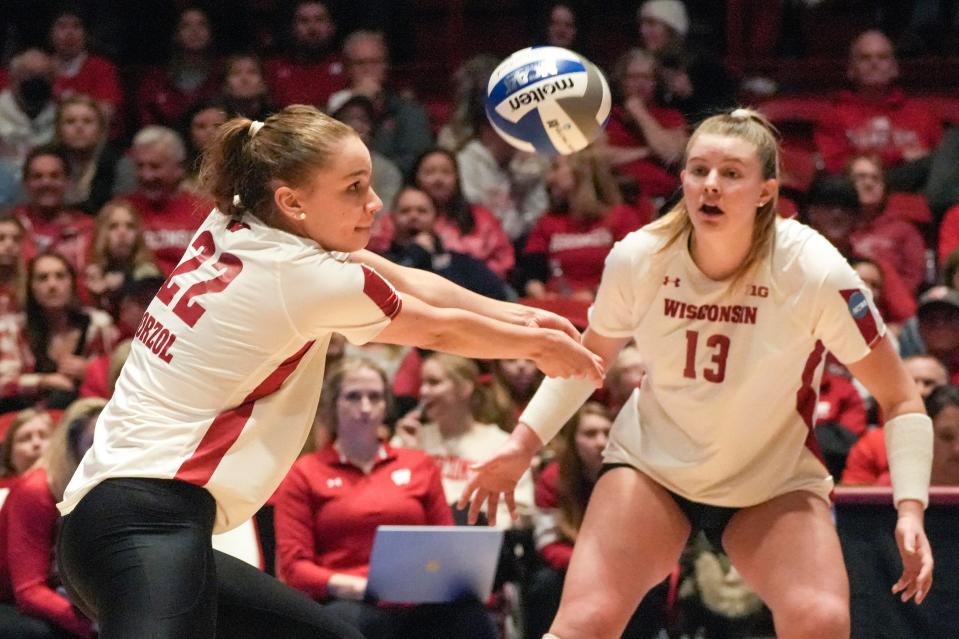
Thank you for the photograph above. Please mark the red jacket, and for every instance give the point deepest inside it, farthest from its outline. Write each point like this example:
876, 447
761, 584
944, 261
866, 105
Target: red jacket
867, 463
168, 226
889, 128
948, 234
295, 82
97, 78
558, 552
327, 512
896, 242
579, 247
28, 530
654, 178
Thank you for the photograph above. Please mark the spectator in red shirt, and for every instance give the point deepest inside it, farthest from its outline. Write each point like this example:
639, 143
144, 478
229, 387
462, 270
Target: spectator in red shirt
895, 301
78, 71
833, 209
26, 438
468, 228
170, 213
81, 133
880, 232
562, 492
44, 350
645, 140
28, 532
312, 69
876, 117
12, 264
566, 248
868, 463
193, 73
330, 504
50, 224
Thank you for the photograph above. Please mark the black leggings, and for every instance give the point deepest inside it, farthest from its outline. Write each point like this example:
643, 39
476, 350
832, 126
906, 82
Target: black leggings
137, 556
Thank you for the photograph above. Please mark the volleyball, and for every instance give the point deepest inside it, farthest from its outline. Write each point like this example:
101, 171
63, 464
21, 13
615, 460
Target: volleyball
548, 100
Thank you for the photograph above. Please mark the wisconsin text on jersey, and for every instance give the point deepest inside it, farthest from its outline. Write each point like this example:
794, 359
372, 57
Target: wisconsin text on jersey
733, 314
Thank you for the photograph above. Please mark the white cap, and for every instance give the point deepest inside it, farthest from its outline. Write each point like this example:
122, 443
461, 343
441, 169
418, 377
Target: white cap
672, 13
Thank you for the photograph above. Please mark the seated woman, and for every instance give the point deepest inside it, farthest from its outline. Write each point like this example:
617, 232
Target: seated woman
468, 228
562, 492
26, 438
645, 140
417, 244
445, 426
81, 133
118, 253
333, 499
33, 606
44, 350
566, 248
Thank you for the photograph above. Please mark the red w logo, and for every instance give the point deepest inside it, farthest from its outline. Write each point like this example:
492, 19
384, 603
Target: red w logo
668, 279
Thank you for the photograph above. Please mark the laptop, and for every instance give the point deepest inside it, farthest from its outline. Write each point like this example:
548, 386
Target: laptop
433, 564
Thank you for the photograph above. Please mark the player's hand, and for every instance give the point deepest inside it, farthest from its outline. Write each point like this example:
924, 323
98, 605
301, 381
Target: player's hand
915, 551
540, 318
343, 586
559, 355
497, 477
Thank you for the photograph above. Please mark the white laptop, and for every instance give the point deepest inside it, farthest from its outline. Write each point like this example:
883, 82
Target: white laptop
433, 564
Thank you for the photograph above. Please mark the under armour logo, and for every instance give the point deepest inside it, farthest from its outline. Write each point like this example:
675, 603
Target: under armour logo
335, 482
668, 279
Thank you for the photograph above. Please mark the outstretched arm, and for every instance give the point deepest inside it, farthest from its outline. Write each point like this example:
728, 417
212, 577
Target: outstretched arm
553, 405
441, 293
473, 335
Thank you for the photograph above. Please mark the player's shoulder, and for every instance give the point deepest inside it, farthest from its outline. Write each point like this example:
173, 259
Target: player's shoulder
801, 254
639, 246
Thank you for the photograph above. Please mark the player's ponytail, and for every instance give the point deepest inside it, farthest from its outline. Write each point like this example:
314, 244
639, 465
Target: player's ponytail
222, 169
246, 159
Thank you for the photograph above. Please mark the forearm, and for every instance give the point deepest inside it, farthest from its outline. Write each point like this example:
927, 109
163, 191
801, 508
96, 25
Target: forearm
495, 332
440, 292
666, 144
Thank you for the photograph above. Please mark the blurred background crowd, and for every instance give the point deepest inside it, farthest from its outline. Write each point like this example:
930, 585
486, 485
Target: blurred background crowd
105, 109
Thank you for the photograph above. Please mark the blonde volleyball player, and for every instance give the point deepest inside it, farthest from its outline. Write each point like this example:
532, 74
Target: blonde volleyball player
734, 310
222, 383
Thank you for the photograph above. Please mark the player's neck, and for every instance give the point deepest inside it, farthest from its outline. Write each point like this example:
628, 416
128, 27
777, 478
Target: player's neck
719, 256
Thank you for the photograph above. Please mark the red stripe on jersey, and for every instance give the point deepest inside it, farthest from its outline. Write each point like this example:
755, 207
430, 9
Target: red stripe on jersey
807, 396
861, 312
382, 294
226, 427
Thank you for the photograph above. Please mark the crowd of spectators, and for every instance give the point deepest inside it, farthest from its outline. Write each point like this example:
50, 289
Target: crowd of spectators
99, 200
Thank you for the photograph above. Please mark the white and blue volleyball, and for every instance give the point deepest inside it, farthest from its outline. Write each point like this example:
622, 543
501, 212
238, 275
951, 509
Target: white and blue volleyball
548, 100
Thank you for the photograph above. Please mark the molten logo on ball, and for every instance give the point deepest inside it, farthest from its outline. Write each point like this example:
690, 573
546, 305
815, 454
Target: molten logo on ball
548, 100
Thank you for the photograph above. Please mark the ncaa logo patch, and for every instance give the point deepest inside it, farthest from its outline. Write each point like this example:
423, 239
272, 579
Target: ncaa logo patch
858, 306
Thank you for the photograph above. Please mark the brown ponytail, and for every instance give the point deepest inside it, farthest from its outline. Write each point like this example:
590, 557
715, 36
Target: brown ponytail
289, 147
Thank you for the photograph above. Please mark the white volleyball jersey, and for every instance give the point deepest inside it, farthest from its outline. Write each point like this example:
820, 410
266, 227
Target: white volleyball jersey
725, 413
224, 376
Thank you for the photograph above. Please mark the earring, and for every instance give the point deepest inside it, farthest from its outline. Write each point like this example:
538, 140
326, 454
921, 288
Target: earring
301, 215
